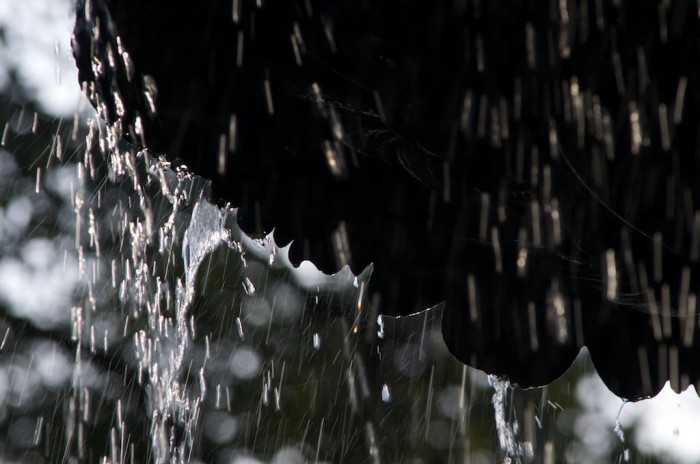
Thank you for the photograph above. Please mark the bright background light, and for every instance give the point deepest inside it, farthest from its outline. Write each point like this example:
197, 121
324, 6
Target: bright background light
37, 36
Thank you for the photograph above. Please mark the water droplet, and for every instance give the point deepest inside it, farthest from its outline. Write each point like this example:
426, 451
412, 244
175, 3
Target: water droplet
386, 395
248, 287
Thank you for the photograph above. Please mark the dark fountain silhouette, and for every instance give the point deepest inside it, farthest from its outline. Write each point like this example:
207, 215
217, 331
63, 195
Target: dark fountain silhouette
531, 165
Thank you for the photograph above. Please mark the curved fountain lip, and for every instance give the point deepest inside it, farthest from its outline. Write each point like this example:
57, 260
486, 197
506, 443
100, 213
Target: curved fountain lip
223, 229
557, 254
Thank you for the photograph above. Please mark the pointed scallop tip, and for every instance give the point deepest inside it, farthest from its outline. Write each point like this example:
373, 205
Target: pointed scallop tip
306, 274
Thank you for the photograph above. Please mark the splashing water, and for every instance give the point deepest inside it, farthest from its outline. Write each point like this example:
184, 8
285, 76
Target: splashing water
176, 337
507, 429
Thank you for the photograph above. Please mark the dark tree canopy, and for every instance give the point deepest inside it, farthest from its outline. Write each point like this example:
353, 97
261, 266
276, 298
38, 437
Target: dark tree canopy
530, 163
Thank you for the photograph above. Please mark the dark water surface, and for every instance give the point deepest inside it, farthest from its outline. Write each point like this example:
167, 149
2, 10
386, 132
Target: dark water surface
532, 165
